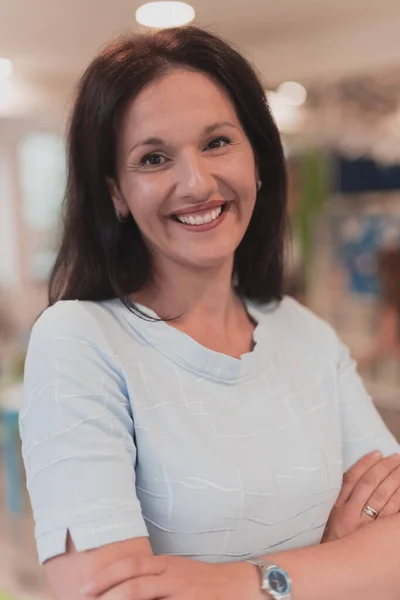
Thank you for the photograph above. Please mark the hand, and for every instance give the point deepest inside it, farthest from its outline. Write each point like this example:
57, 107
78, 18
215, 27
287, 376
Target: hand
170, 578
372, 481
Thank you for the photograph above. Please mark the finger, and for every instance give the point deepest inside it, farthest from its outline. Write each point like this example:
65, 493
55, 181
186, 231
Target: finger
150, 587
123, 570
369, 482
382, 494
353, 475
392, 507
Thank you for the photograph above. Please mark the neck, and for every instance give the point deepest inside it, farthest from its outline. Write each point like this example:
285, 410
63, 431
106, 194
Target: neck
189, 295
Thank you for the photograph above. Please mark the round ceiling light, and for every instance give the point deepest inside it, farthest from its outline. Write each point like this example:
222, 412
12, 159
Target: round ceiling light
287, 116
292, 93
5, 69
165, 14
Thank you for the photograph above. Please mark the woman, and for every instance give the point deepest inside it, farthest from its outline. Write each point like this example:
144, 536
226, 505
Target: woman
174, 403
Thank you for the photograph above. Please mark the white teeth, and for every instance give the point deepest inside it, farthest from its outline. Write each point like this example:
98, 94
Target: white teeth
200, 219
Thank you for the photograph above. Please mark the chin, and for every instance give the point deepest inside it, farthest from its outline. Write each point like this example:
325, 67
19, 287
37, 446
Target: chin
210, 255
207, 261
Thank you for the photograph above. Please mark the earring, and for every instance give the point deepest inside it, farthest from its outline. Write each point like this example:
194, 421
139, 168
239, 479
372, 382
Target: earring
259, 184
121, 217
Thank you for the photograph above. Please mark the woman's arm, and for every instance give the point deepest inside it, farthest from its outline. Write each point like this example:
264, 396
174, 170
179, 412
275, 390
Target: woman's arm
373, 480
362, 427
371, 476
68, 572
363, 565
77, 431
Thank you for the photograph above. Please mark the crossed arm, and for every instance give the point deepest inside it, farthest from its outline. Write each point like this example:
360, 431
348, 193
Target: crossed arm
360, 558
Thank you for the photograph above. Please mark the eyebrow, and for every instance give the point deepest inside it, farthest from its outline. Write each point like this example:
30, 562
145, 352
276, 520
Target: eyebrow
156, 141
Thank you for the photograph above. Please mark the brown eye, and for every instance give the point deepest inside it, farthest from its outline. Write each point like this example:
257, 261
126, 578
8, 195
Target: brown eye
219, 142
152, 160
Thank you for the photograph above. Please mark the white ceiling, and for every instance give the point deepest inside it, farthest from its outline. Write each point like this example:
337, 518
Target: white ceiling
51, 41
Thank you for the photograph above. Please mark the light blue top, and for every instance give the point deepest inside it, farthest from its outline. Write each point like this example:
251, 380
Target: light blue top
131, 428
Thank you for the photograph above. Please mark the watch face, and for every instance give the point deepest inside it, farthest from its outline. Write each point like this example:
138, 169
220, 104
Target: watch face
279, 581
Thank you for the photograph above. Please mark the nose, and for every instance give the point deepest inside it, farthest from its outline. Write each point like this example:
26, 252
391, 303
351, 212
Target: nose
194, 179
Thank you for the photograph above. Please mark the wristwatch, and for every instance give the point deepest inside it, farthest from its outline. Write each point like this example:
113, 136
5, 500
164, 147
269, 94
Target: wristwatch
274, 580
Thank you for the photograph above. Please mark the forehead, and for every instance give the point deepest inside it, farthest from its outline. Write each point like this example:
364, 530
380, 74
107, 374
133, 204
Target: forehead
180, 102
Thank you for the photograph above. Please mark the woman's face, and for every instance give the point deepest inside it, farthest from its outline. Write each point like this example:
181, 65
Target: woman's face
186, 172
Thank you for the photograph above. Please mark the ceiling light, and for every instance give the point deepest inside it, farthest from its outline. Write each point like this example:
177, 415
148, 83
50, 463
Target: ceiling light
165, 14
292, 93
287, 117
5, 69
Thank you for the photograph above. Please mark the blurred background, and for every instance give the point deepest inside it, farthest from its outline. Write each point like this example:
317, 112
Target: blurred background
332, 74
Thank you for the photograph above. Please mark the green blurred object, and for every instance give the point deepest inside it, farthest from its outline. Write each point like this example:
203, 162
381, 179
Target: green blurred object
5, 596
314, 183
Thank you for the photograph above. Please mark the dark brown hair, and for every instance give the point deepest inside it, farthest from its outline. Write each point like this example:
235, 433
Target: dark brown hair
99, 257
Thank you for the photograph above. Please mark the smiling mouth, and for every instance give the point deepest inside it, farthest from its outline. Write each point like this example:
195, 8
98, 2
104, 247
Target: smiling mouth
203, 217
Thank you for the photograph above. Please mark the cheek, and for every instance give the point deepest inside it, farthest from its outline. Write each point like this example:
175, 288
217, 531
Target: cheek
245, 189
240, 173
145, 200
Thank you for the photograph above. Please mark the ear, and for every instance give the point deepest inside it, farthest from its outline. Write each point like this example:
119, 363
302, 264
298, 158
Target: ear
120, 206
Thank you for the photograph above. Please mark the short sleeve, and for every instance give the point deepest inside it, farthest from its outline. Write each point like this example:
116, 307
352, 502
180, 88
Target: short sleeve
77, 435
363, 429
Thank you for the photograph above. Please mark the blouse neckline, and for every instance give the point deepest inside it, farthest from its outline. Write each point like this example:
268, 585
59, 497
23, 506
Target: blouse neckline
190, 354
